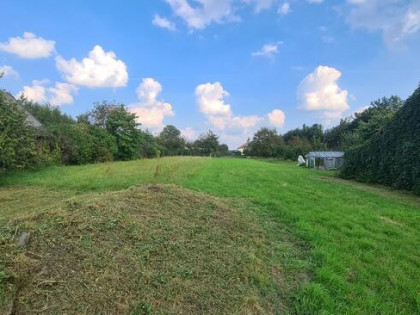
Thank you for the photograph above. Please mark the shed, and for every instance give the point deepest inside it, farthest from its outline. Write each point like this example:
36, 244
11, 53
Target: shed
328, 160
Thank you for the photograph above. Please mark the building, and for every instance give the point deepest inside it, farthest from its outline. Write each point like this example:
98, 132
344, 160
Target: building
31, 120
328, 160
242, 148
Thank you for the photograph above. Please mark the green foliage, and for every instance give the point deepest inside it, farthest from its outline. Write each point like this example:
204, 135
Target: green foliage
390, 153
47, 115
207, 144
265, 143
18, 144
171, 141
120, 124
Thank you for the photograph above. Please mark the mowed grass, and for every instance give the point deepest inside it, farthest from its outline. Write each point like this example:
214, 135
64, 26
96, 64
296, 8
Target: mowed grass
359, 246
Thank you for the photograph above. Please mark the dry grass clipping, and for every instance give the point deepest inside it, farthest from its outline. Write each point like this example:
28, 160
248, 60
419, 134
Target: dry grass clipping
155, 248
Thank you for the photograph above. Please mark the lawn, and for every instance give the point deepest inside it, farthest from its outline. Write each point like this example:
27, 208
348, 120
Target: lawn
272, 238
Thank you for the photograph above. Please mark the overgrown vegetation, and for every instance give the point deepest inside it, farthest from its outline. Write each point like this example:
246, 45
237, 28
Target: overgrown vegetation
389, 154
336, 246
107, 133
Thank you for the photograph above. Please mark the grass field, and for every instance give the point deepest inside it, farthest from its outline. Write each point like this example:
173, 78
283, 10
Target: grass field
206, 235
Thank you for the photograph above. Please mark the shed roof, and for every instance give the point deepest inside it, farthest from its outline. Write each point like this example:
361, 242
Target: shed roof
325, 154
31, 120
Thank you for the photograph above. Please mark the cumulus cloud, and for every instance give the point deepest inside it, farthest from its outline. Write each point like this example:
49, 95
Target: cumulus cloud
150, 110
36, 92
210, 98
59, 94
395, 19
99, 69
277, 118
189, 133
268, 50
163, 23
284, 8
319, 92
8, 71
29, 46
233, 129
62, 93
202, 13
211, 102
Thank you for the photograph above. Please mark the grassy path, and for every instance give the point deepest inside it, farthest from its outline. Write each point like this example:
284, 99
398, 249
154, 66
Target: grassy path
365, 246
359, 245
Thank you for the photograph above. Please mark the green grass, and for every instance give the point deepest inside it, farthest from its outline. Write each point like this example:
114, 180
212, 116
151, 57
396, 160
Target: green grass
348, 248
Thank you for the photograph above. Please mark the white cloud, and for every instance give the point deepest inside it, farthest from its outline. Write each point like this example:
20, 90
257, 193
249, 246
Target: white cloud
261, 5
100, 69
29, 46
277, 118
315, 1
59, 94
8, 71
268, 50
284, 8
395, 19
320, 92
203, 12
150, 110
189, 133
163, 23
36, 92
211, 102
210, 98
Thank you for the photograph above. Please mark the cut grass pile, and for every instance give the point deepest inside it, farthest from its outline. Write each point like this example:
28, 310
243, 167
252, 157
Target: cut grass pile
145, 249
358, 244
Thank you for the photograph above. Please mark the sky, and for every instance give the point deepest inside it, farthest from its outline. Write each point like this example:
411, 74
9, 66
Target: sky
230, 66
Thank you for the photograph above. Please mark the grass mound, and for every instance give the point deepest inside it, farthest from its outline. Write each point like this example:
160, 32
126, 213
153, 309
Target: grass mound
144, 249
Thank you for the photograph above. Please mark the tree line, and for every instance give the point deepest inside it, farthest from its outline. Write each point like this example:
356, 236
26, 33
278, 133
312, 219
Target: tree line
350, 132
107, 133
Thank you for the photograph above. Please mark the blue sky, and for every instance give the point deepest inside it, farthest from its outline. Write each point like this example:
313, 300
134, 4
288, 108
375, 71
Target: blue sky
231, 66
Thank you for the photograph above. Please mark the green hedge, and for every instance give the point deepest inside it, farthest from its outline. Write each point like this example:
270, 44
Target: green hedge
391, 157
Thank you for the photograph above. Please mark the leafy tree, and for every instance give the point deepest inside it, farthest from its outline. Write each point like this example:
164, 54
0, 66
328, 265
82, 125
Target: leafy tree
207, 144
46, 114
265, 143
18, 145
121, 125
148, 147
171, 141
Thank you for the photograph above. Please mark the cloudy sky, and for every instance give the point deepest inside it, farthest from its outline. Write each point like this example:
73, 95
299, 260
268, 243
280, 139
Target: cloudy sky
231, 66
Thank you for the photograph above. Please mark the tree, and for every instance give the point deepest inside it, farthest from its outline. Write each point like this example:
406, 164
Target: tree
207, 144
18, 146
265, 143
121, 125
171, 141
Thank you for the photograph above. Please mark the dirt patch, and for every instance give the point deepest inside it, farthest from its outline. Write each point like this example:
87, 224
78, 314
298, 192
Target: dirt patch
156, 248
390, 221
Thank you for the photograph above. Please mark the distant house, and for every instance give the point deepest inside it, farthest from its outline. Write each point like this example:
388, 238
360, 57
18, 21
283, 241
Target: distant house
328, 160
242, 148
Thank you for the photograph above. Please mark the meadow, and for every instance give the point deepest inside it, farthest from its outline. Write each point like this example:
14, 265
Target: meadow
183, 234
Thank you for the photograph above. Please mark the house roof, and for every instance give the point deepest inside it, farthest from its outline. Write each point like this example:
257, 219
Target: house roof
31, 120
325, 154
243, 146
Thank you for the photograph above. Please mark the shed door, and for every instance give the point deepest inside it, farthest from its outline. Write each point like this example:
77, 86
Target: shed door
329, 163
